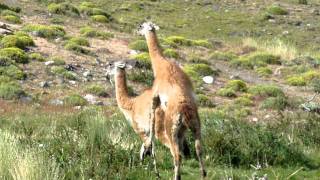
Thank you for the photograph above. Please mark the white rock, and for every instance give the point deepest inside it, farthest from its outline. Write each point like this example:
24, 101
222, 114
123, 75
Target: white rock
56, 102
208, 79
87, 74
133, 52
72, 82
90, 98
48, 63
255, 119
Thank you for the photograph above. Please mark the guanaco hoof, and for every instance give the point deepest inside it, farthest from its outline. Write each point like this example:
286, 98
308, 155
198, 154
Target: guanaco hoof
145, 151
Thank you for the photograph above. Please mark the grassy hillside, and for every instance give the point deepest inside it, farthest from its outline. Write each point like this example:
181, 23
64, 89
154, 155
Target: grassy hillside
260, 116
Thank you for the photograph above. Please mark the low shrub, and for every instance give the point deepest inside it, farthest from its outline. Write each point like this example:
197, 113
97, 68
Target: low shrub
264, 71
141, 76
8, 12
237, 85
49, 32
315, 83
61, 71
303, 79
305, 2
276, 103
204, 100
15, 54
193, 58
57, 61
90, 9
80, 41
296, 81
201, 42
97, 90
201, 69
139, 45
277, 10
243, 101
99, 18
226, 92
223, 56
13, 72
266, 91
5, 61
171, 53
36, 57
12, 19
256, 60
75, 100
90, 32
18, 40
71, 46
10, 90
143, 60
177, 41
63, 8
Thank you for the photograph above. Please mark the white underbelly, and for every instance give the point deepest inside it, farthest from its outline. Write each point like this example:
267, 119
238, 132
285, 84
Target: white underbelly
164, 101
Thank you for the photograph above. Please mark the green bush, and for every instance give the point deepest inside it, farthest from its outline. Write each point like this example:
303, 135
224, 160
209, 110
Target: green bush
256, 60
266, 91
16, 54
201, 69
75, 100
177, 41
223, 56
97, 90
61, 71
71, 46
19, 40
12, 19
99, 18
264, 71
139, 45
80, 41
10, 90
57, 20
315, 83
90, 9
202, 42
5, 61
193, 58
305, 2
63, 8
57, 61
296, 81
8, 12
142, 76
49, 32
171, 53
204, 101
237, 85
90, 32
277, 10
275, 103
243, 101
226, 92
194, 76
12, 71
36, 57
143, 60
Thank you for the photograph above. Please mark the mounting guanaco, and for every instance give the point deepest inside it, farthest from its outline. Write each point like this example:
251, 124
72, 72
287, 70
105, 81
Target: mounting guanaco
177, 99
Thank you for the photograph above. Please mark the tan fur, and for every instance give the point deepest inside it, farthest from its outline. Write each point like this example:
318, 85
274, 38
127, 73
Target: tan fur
174, 86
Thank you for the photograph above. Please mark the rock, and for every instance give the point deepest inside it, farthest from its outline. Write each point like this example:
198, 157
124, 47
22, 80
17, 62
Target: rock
77, 107
255, 119
36, 33
56, 102
133, 52
93, 100
26, 99
315, 12
73, 82
87, 74
285, 32
208, 79
44, 84
48, 63
70, 67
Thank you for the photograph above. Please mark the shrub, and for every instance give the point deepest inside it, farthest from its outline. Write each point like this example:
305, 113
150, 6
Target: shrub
194, 76
80, 41
223, 56
8, 12
266, 91
309, 75
276, 103
10, 90
90, 32
177, 40
296, 81
37, 57
237, 85
197, 60
204, 101
57, 61
15, 54
139, 45
226, 92
141, 76
58, 70
63, 8
201, 69
201, 42
57, 20
143, 60
315, 83
99, 18
12, 19
75, 100
21, 41
256, 60
277, 10
12, 72
49, 32
243, 101
71, 46
264, 71
90, 9
97, 90
5, 61
305, 2
171, 53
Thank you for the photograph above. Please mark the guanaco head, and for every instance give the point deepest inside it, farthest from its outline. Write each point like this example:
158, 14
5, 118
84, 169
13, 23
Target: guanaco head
117, 68
146, 27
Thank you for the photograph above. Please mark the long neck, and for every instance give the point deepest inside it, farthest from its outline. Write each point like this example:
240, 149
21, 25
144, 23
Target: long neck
122, 96
154, 49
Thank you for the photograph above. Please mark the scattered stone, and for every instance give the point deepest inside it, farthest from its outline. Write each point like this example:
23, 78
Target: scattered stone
44, 84
208, 79
77, 107
70, 67
254, 119
73, 82
93, 100
272, 20
48, 63
36, 33
26, 99
315, 12
285, 32
87, 74
60, 79
133, 52
56, 102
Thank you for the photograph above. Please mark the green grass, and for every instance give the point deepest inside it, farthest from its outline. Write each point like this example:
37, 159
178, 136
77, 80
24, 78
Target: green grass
256, 59
143, 60
97, 90
49, 32
264, 71
266, 91
237, 85
171, 53
222, 56
204, 100
10, 90
61, 71
139, 45
37, 57
12, 71
75, 100
226, 92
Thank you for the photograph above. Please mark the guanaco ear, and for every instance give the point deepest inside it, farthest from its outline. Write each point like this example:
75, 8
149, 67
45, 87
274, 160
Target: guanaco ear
120, 65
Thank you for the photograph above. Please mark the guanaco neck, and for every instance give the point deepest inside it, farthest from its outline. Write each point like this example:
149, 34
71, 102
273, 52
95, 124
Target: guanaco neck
155, 51
122, 96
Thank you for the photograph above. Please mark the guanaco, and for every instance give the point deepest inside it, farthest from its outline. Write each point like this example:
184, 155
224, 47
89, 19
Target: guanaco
177, 99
